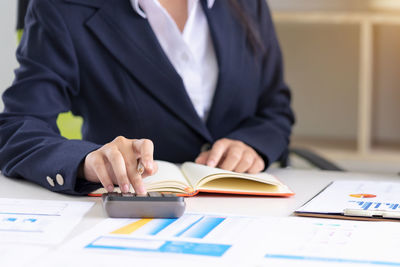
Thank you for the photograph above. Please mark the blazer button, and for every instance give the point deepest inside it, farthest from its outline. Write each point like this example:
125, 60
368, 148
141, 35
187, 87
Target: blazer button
60, 179
50, 181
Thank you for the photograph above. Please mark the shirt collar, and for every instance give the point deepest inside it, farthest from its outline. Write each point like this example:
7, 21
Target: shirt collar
136, 7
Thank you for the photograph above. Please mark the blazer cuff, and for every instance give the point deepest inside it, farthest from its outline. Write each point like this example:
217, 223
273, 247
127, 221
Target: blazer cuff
63, 177
269, 144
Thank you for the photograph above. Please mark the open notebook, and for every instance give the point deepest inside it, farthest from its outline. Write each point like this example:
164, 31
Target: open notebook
191, 178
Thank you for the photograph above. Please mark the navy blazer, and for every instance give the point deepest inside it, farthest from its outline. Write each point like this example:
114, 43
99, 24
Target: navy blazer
101, 60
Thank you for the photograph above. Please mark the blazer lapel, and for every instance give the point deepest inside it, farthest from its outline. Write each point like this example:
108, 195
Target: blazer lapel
219, 18
132, 42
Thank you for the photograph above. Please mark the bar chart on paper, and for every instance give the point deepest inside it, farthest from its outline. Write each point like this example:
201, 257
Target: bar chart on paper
18, 216
369, 205
21, 224
192, 234
188, 226
355, 195
38, 221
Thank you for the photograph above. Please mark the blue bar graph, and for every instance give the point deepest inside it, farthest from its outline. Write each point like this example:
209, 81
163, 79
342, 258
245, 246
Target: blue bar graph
214, 250
157, 226
189, 226
366, 205
201, 227
30, 220
145, 245
180, 236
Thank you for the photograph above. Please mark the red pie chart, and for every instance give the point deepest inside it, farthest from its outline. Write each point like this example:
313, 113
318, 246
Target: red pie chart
363, 195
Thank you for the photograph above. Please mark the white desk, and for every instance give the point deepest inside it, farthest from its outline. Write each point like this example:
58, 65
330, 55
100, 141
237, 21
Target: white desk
304, 183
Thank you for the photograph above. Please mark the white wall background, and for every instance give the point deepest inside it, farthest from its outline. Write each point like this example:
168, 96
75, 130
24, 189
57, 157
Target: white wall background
8, 44
322, 65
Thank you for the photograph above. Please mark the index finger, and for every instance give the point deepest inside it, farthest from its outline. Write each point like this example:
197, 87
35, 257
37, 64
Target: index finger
216, 153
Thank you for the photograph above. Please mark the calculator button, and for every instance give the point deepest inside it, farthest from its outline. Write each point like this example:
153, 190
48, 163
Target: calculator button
145, 206
154, 194
169, 195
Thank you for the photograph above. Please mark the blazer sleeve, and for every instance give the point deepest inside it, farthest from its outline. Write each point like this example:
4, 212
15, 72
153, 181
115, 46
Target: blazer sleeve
268, 132
30, 143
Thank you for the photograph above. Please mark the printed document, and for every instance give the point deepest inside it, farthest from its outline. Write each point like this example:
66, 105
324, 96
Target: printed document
193, 239
217, 240
326, 242
366, 198
20, 255
45, 222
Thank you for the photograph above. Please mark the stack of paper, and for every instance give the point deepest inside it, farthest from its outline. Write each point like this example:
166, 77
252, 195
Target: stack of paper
28, 227
217, 240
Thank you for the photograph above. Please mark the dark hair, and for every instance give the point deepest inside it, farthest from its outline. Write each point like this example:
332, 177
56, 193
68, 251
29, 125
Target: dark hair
249, 25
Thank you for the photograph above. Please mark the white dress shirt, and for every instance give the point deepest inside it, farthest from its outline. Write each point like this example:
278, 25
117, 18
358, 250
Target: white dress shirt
191, 52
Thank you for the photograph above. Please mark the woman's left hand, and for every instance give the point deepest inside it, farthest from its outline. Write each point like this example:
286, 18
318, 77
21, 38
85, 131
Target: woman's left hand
232, 155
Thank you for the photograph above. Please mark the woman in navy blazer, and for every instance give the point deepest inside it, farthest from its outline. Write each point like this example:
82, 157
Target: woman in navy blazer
101, 60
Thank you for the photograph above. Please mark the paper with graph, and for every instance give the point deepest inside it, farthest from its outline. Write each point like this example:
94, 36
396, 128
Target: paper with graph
39, 221
216, 240
365, 199
201, 238
337, 243
192, 234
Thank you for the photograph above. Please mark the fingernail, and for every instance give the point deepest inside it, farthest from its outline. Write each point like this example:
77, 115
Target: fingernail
148, 165
211, 163
125, 188
110, 188
141, 190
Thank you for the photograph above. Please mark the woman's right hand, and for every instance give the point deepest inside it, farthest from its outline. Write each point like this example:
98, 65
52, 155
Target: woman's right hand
117, 163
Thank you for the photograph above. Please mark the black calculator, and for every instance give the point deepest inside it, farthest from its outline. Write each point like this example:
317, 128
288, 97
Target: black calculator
151, 205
